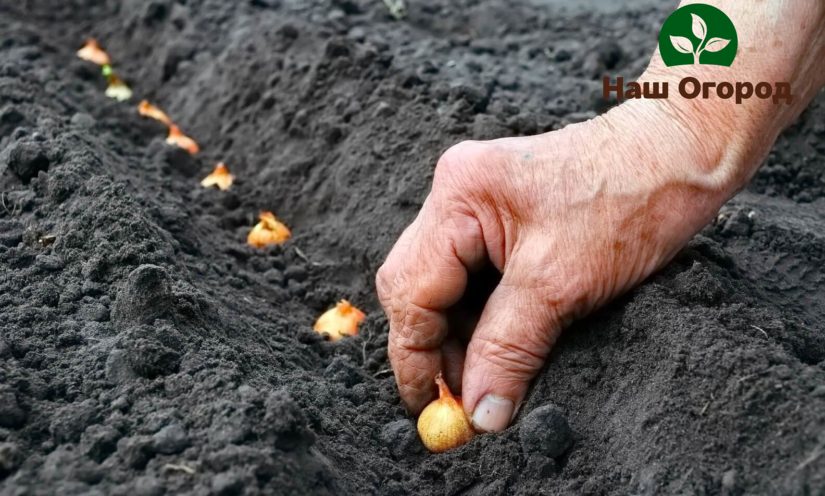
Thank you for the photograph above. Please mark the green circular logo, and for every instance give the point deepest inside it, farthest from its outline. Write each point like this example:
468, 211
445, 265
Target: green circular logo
698, 34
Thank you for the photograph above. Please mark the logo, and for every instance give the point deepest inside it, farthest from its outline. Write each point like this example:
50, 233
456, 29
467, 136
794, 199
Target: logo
698, 34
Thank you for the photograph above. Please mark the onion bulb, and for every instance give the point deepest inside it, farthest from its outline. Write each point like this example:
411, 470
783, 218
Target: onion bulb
117, 89
269, 231
177, 138
339, 321
146, 109
92, 52
443, 425
219, 177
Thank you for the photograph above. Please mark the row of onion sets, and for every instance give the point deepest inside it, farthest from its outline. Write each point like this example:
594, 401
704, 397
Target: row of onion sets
338, 322
442, 425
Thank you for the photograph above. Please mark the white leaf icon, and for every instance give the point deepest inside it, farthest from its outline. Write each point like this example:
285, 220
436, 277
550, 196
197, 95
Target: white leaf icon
700, 29
681, 44
716, 45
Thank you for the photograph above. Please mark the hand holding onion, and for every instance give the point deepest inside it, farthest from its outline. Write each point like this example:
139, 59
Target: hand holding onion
443, 425
559, 221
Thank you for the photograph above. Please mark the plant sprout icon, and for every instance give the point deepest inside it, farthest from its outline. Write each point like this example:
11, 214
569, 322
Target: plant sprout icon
700, 30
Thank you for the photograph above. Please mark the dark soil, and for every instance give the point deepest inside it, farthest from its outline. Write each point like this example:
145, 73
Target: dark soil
146, 350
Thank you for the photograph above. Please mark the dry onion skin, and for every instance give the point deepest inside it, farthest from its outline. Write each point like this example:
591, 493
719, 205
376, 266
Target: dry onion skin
92, 52
177, 138
340, 321
269, 231
219, 177
146, 109
443, 425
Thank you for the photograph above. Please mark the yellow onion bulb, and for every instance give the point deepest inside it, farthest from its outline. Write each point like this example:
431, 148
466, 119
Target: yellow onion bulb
341, 320
117, 89
443, 425
219, 177
92, 52
146, 109
177, 138
269, 231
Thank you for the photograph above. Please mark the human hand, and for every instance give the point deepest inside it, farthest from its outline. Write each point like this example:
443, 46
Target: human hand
575, 217
570, 219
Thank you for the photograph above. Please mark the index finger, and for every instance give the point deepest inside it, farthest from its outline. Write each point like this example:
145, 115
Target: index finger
424, 275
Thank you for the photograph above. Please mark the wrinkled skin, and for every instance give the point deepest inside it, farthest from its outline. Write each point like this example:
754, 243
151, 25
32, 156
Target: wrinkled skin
562, 220
573, 218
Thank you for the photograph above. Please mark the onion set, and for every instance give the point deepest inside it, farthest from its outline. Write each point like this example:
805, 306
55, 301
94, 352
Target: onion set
177, 138
117, 89
146, 109
92, 52
219, 177
443, 425
340, 321
269, 231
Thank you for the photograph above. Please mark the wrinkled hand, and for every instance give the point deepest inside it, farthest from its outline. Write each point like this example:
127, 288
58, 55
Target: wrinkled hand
570, 219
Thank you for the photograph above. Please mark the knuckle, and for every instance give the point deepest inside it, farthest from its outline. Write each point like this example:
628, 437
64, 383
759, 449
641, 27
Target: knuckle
521, 359
415, 385
457, 159
395, 352
461, 149
468, 168
418, 328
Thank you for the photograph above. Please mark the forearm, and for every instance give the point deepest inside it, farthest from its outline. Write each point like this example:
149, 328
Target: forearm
780, 41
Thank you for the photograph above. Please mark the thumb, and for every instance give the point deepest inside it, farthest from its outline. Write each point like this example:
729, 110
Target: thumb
513, 337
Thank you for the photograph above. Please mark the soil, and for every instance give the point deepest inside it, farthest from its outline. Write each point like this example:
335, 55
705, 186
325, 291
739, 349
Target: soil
146, 350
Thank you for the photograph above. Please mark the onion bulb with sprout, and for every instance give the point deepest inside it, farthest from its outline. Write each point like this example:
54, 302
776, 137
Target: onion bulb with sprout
219, 177
92, 52
146, 109
117, 89
443, 425
269, 231
341, 320
177, 138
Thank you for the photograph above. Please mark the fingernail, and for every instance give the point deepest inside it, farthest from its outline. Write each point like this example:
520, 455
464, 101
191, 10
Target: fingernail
492, 414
